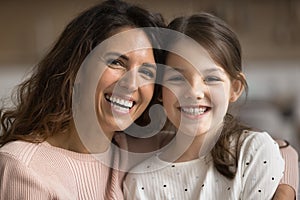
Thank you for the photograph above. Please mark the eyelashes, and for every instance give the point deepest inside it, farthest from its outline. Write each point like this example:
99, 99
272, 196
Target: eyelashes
116, 64
144, 70
207, 80
212, 79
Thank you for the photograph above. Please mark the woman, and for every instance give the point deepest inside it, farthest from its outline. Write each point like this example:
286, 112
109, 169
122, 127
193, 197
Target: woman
44, 152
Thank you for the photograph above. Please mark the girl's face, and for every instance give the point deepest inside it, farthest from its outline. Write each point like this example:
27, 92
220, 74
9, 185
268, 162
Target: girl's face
196, 97
127, 83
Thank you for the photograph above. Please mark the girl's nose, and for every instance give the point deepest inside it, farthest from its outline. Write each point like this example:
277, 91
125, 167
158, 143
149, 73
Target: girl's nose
195, 90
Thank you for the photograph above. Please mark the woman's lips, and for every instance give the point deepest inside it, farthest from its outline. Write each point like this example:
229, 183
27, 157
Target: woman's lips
120, 104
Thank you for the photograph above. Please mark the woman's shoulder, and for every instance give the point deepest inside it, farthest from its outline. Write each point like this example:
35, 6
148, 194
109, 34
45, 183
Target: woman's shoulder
19, 150
18, 156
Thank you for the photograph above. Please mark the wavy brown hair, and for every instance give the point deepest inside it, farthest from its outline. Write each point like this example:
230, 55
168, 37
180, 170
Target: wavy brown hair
43, 102
224, 48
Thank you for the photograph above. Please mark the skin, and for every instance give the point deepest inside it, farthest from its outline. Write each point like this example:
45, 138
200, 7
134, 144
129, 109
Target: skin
196, 101
284, 192
128, 73
129, 79
186, 90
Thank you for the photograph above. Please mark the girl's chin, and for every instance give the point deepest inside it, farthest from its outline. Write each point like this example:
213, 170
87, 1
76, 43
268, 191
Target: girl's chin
193, 132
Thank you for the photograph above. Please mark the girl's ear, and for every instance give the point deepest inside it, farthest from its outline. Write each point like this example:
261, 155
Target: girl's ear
237, 89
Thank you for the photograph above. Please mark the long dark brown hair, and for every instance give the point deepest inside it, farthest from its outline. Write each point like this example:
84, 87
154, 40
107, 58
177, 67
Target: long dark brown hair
224, 48
43, 102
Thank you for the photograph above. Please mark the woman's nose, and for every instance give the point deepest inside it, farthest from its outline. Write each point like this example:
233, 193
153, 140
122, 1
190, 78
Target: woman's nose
129, 81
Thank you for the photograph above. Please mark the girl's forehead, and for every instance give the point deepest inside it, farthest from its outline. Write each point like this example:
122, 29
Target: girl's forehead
189, 51
201, 64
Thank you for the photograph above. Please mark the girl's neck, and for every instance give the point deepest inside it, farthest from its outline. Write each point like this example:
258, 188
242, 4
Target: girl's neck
186, 148
191, 146
182, 148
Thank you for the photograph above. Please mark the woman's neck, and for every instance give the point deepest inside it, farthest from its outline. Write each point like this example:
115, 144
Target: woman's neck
71, 141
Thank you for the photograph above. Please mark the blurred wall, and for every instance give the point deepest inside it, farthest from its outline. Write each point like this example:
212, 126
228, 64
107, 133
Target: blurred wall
268, 29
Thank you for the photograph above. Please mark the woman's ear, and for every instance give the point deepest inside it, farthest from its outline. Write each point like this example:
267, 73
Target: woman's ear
159, 98
237, 88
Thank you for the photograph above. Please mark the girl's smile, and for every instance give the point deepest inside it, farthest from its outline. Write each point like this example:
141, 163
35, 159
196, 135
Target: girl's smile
196, 98
194, 112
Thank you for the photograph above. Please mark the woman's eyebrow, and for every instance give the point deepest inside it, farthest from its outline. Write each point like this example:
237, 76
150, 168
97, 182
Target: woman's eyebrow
116, 54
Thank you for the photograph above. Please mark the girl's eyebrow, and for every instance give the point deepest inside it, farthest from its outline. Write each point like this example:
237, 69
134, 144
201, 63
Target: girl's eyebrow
214, 70
174, 69
181, 69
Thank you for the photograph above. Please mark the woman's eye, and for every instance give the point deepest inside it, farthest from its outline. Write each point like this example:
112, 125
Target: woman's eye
115, 64
148, 73
211, 79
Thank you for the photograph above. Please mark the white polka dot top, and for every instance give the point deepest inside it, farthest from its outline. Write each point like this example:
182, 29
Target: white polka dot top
260, 168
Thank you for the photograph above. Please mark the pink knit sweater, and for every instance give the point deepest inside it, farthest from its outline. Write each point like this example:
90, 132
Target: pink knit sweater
40, 171
291, 171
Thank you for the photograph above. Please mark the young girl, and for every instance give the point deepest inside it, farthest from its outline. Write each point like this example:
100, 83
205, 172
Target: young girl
212, 156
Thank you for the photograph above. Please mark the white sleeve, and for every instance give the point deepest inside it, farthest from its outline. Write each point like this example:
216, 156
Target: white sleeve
130, 189
261, 166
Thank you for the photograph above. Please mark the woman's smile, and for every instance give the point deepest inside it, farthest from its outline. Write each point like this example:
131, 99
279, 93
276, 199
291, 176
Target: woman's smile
120, 104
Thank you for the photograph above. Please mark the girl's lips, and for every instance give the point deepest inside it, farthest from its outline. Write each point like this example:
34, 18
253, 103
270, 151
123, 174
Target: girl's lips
194, 111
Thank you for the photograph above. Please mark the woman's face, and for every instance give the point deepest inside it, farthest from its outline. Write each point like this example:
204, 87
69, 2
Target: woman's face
127, 83
195, 97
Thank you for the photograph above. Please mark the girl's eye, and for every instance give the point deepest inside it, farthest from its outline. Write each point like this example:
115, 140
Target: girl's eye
115, 64
176, 78
211, 79
147, 73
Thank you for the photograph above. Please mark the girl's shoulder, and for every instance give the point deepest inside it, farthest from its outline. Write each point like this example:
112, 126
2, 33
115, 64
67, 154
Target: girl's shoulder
258, 145
256, 138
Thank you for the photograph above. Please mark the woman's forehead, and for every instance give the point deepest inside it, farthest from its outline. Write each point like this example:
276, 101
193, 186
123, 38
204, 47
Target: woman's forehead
125, 39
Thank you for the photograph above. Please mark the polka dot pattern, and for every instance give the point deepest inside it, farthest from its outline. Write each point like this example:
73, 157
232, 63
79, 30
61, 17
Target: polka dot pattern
259, 169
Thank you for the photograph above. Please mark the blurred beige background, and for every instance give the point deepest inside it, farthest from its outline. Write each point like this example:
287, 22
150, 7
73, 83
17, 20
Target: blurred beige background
269, 31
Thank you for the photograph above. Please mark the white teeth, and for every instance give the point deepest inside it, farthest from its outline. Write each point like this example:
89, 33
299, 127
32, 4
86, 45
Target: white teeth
121, 103
194, 111
128, 103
